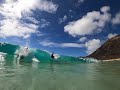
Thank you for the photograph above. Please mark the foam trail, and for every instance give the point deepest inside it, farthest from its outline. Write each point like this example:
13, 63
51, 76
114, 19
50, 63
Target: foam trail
89, 60
35, 60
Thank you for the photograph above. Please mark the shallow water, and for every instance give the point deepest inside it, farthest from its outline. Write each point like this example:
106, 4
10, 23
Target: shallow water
40, 76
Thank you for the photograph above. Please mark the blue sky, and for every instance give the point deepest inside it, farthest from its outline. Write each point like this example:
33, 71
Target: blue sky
67, 27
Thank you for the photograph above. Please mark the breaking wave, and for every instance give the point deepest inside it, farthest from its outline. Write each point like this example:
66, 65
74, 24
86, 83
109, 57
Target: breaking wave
29, 55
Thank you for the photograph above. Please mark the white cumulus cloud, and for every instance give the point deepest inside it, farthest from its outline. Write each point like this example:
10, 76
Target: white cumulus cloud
116, 19
82, 39
91, 23
11, 27
92, 45
110, 35
13, 11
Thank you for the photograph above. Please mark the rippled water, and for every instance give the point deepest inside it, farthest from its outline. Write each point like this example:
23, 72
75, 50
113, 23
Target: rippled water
37, 76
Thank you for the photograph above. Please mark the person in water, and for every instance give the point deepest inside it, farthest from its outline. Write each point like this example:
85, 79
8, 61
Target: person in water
2, 55
26, 49
52, 55
24, 52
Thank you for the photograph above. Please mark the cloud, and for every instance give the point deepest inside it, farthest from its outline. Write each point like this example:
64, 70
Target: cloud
62, 45
48, 43
11, 27
44, 5
92, 45
31, 19
15, 14
110, 35
82, 39
81, 1
44, 23
61, 20
91, 23
116, 19
71, 45
78, 2
105, 9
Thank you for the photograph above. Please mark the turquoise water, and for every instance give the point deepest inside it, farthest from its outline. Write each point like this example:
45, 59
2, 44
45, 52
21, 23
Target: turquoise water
16, 75
63, 73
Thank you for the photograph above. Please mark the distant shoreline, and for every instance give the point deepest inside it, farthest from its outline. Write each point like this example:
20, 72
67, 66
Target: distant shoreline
118, 59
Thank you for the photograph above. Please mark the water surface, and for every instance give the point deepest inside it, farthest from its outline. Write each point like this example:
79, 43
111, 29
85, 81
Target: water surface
16, 75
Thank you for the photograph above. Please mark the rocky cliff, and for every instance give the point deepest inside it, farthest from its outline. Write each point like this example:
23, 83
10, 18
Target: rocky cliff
109, 50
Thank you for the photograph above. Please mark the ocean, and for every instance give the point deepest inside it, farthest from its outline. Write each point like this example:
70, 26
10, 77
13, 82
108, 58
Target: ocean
65, 73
